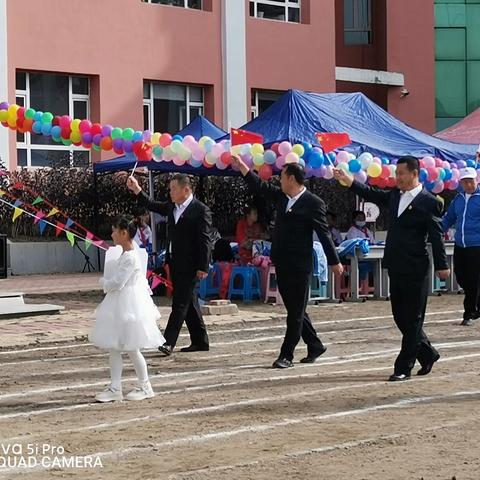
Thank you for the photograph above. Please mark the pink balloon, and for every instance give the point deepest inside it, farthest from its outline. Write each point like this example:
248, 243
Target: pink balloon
361, 176
280, 162
342, 157
432, 174
178, 161
438, 187
429, 162
284, 148
438, 162
328, 173
377, 160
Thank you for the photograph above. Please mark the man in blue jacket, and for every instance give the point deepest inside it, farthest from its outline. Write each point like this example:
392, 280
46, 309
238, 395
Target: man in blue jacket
464, 214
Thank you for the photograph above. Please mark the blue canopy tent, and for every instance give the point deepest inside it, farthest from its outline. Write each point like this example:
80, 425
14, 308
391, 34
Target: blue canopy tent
201, 126
298, 115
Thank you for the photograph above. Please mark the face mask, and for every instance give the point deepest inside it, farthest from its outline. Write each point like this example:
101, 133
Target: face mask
360, 224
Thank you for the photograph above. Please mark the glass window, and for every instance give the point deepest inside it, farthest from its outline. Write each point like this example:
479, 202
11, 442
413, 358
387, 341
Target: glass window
80, 85
263, 99
172, 107
282, 10
357, 22
21, 81
196, 4
60, 95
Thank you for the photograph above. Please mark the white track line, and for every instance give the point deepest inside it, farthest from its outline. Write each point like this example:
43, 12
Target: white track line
216, 435
219, 371
37, 412
229, 406
58, 347
324, 449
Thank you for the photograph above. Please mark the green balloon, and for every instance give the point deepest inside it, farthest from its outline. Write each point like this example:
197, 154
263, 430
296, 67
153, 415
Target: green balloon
116, 133
47, 117
29, 113
96, 147
128, 133
66, 142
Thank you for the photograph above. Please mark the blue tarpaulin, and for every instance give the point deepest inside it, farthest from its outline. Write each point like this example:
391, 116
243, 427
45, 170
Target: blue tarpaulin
297, 116
201, 126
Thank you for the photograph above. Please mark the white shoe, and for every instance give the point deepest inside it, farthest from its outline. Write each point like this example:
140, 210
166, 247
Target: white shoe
110, 394
141, 392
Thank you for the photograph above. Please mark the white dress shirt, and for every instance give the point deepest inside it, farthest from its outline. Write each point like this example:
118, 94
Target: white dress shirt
180, 208
406, 198
292, 200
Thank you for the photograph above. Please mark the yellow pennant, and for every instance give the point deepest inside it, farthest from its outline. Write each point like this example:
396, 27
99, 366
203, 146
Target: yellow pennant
17, 213
2, 193
52, 212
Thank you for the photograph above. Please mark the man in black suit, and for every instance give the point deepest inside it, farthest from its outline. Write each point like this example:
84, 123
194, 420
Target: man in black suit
299, 214
188, 256
415, 215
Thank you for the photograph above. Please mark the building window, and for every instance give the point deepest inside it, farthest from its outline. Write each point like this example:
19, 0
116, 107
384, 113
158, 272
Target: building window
283, 10
357, 22
262, 99
196, 4
168, 107
60, 95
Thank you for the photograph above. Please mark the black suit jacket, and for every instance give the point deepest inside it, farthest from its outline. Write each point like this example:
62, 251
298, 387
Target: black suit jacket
189, 237
292, 244
406, 244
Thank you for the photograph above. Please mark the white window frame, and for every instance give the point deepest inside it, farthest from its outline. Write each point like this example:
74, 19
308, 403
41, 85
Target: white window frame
255, 107
287, 4
184, 111
185, 4
27, 143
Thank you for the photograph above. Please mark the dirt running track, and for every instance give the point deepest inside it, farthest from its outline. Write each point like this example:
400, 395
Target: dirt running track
225, 414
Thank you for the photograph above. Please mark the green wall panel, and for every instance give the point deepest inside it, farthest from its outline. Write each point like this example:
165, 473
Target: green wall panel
451, 96
473, 32
450, 15
473, 86
450, 44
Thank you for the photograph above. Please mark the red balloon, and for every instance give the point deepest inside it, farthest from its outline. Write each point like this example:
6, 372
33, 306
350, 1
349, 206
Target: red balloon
118, 151
56, 121
391, 182
225, 158
65, 121
207, 165
265, 172
96, 128
274, 147
385, 172
21, 113
66, 132
27, 124
432, 173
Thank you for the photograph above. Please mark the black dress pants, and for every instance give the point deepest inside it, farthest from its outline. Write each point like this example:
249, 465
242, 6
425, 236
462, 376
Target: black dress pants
185, 307
294, 288
467, 270
408, 296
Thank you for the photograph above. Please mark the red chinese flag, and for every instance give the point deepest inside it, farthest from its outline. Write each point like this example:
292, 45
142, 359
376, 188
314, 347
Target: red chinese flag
331, 141
239, 137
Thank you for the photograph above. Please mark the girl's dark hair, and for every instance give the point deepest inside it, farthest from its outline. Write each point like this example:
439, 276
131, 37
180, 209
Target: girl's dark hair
125, 223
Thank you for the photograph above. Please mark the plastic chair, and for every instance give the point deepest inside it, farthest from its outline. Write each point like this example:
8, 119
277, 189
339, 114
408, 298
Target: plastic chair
210, 286
318, 289
271, 290
249, 286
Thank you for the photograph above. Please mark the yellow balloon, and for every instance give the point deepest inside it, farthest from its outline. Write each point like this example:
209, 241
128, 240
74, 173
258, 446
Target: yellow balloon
341, 182
3, 115
298, 149
12, 111
257, 148
75, 137
374, 170
202, 140
236, 149
74, 125
155, 140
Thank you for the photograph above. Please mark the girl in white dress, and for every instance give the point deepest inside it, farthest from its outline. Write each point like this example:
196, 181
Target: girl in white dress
126, 320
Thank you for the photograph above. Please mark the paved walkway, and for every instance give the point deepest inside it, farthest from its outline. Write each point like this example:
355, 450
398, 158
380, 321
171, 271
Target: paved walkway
53, 283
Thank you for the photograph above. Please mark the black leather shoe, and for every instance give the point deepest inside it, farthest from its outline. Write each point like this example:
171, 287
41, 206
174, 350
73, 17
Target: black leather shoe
167, 350
398, 378
282, 363
475, 315
311, 357
467, 322
195, 348
426, 369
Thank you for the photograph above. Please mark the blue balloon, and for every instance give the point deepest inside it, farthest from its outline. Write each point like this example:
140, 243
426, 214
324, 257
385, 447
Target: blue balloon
429, 185
307, 147
137, 136
448, 174
354, 166
37, 127
38, 117
423, 175
177, 137
471, 163
385, 161
269, 156
301, 162
315, 159
46, 129
56, 131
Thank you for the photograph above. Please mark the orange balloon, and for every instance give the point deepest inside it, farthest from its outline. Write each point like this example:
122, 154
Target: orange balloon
106, 143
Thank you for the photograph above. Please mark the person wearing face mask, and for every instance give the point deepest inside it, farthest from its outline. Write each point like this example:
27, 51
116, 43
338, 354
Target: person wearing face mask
464, 214
359, 228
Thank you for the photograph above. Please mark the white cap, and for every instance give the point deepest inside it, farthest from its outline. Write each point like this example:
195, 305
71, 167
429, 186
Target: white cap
468, 172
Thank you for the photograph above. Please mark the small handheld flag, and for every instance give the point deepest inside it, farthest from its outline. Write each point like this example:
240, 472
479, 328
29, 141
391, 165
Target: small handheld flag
239, 137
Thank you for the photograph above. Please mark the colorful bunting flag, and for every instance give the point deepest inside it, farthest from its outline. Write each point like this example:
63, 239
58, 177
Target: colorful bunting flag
59, 228
17, 203
2, 193
155, 283
69, 223
88, 244
17, 212
42, 226
71, 238
37, 201
38, 216
52, 212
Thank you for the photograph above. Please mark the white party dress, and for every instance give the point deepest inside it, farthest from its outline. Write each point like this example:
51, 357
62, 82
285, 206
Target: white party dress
127, 318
